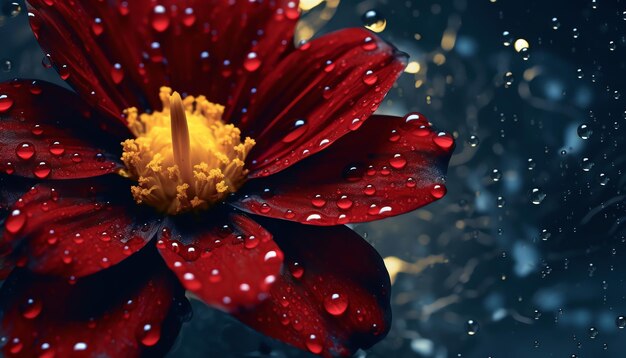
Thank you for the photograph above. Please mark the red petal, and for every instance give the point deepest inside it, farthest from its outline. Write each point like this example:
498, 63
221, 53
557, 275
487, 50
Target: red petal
333, 299
125, 52
295, 115
389, 166
127, 312
48, 133
228, 266
74, 230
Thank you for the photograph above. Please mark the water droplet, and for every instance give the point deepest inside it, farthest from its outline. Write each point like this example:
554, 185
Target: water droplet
296, 270
370, 78
555, 23
369, 44
444, 140
97, 26
149, 335
15, 222
353, 172
117, 73
369, 190
160, 18
398, 161
191, 282
584, 132
6, 65
298, 128
314, 344
544, 235
42, 170
537, 196
593, 332
31, 308
344, 203
438, 191
250, 242
11, 9
472, 327
500, 202
336, 304
508, 79
586, 164
189, 17
496, 175
318, 201
355, 124
252, 62
374, 21
25, 150
473, 141
64, 72
56, 148
620, 322
6, 103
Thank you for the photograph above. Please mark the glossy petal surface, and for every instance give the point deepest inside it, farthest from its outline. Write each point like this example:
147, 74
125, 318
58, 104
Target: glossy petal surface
333, 296
124, 51
317, 94
129, 311
47, 132
389, 166
75, 229
228, 263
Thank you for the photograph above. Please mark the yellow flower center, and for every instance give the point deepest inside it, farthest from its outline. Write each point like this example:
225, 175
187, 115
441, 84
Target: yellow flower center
184, 157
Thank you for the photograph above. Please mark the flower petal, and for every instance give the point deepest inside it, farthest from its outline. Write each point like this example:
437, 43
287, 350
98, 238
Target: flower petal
47, 132
130, 311
317, 94
75, 229
390, 166
124, 52
229, 263
333, 299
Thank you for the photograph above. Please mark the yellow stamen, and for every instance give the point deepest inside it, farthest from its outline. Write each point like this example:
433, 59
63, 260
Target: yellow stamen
184, 157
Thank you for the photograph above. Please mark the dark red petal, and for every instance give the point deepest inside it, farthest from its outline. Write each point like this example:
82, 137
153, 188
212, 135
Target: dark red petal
229, 264
129, 311
47, 132
390, 166
123, 51
333, 297
75, 229
317, 94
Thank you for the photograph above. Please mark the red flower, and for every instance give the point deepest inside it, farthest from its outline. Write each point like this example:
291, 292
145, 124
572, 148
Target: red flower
247, 216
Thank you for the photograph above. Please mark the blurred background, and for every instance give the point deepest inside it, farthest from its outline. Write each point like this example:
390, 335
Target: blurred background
526, 255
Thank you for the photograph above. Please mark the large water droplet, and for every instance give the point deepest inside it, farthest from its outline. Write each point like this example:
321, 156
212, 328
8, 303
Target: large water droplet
25, 150
336, 304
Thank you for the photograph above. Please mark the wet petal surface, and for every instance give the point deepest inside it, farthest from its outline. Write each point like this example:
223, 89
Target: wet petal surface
333, 295
389, 166
229, 263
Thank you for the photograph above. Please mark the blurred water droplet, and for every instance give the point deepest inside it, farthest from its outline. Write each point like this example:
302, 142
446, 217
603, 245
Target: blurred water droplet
472, 327
11, 8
